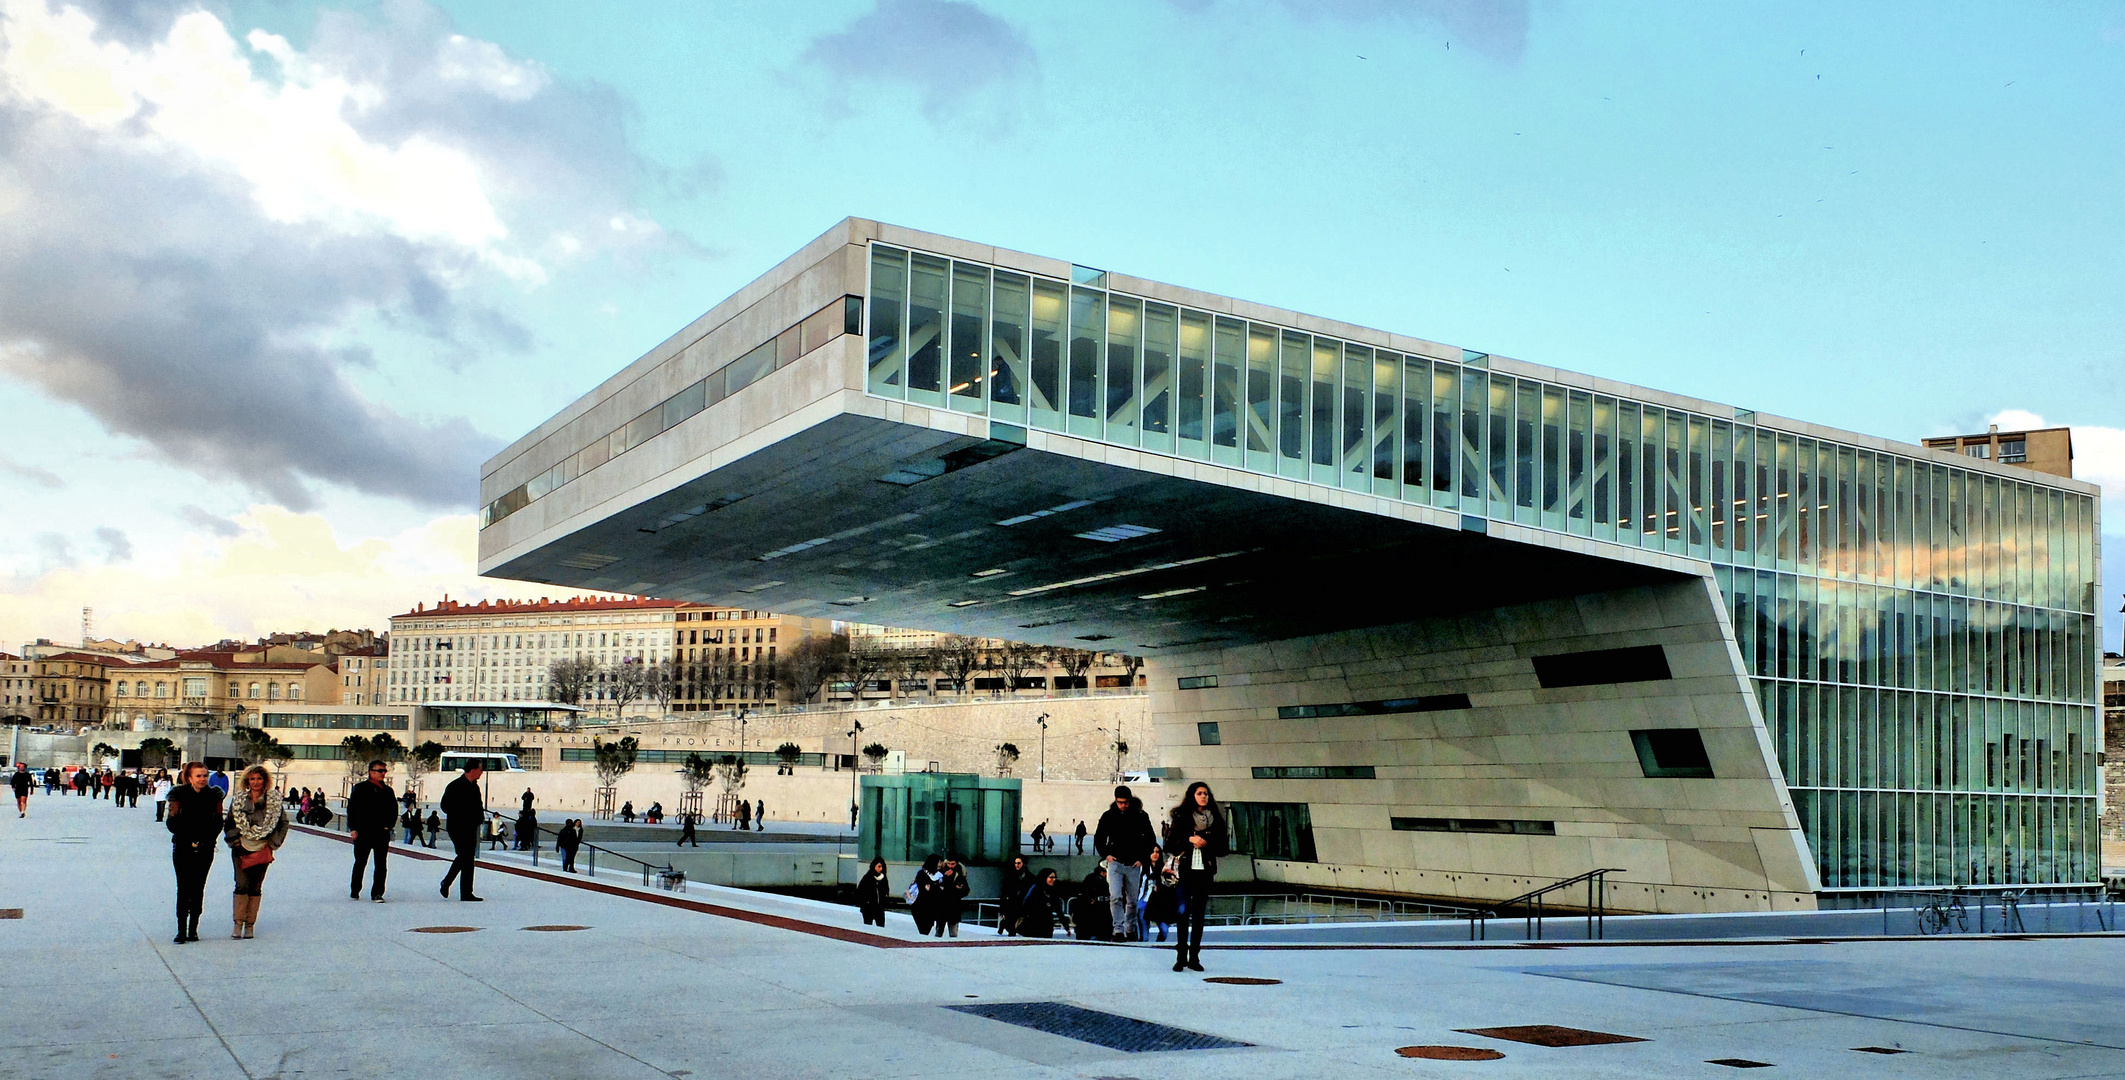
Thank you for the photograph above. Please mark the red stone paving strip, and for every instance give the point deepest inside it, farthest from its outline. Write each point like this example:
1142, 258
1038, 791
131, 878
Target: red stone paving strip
1550, 1035
779, 922
10, 913
555, 927
1879, 1050
1739, 1063
1241, 980
445, 930
1449, 1053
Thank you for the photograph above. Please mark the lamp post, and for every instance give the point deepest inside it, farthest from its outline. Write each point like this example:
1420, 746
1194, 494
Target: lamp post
1042, 720
853, 733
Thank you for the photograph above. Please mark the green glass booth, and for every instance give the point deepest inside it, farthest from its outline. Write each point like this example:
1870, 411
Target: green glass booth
907, 818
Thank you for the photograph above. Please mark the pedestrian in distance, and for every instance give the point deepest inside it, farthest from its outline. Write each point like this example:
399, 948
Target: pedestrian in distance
1015, 880
686, 832
1039, 907
760, 814
434, 825
526, 799
955, 889
1080, 838
162, 796
1040, 836
568, 841
21, 783
220, 782
924, 897
852, 815
872, 893
462, 802
627, 811
194, 821
1197, 834
371, 806
497, 834
1124, 841
256, 826
411, 822
527, 830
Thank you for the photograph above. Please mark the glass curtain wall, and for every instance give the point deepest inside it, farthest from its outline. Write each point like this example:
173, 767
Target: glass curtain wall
1922, 636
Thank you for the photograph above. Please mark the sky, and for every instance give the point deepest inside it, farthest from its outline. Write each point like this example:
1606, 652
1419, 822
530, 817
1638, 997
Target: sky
276, 277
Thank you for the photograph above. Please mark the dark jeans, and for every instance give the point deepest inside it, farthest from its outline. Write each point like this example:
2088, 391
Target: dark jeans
873, 916
467, 845
568, 859
1195, 902
362, 847
192, 866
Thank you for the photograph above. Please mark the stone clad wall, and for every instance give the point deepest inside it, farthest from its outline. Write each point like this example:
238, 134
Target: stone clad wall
1521, 752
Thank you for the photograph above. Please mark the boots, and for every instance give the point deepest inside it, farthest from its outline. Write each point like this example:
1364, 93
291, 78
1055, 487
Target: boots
191, 926
250, 915
239, 904
181, 937
246, 916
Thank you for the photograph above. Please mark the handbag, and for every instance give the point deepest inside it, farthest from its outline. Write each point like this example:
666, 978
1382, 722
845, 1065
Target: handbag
914, 890
260, 857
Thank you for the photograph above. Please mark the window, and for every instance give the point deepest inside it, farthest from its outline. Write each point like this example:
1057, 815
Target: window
1642, 663
1206, 734
1313, 772
254, 690
1672, 753
1473, 825
1199, 682
1433, 703
1272, 830
1978, 450
2013, 452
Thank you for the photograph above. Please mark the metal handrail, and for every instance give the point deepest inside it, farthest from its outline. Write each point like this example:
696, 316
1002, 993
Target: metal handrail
1533, 903
666, 872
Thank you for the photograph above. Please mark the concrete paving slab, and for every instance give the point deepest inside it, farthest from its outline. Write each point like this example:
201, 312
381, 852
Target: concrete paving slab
751, 985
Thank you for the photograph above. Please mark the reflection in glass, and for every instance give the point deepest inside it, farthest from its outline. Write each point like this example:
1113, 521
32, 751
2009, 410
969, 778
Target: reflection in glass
1007, 348
926, 301
886, 346
1048, 322
970, 311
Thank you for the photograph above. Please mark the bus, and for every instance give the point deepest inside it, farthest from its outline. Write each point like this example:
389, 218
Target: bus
492, 761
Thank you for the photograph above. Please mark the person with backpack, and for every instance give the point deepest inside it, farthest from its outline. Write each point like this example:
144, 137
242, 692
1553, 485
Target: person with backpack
872, 892
1196, 833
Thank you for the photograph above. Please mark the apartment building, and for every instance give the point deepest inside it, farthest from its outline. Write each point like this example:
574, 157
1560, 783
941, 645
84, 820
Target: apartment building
208, 689
2046, 450
70, 688
364, 675
16, 688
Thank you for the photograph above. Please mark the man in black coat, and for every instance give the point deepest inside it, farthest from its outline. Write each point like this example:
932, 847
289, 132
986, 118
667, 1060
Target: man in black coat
466, 810
372, 808
1124, 839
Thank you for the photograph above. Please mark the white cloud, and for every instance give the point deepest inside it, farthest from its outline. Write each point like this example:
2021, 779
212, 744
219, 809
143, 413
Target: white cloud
290, 139
483, 64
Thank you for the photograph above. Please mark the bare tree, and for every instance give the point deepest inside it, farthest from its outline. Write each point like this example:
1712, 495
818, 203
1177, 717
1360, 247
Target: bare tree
960, 656
904, 666
1015, 659
355, 752
569, 680
422, 760
630, 682
1076, 662
663, 678
864, 662
1132, 665
810, 664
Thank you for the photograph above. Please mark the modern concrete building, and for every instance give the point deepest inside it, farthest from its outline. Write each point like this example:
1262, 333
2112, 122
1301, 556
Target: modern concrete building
1431, 621
2048, 450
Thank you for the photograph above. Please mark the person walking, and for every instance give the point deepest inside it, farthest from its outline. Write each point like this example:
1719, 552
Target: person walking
924, 896
434, 824
686, 831
411, 822
1080, 838
1125, 841
461, 800
371, 808
1038, 910
497, 834
955, 890
872, 893
1040, 836
1196, 833
760, 814
257, 825
21, 783
527, 830
1015, 881
1162, 889
568, 840
220, 782
162, 796
194, 821
525, 799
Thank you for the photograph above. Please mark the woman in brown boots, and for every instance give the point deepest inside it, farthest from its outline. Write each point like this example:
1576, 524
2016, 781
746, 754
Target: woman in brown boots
255, 829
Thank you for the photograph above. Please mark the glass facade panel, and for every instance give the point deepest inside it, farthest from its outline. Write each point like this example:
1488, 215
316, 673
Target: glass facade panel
1921, 633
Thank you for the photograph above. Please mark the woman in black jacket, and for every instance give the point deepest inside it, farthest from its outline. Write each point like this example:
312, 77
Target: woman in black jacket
1015, 882
872, 893
1196, 834
929, 897
1039, 906
194, 821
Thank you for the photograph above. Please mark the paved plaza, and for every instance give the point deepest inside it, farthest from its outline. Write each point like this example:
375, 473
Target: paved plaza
738, 985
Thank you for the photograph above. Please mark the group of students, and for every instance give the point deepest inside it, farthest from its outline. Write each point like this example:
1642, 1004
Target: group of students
1141, 884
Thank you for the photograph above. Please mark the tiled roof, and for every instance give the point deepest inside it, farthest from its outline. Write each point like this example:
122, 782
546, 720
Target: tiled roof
516, 607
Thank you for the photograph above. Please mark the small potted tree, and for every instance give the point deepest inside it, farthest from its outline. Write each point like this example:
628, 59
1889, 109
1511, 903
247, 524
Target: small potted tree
875, 754
1006, 756
788, 754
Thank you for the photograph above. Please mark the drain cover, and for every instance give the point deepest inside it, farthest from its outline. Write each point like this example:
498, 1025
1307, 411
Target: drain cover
1449, 1053
444, 929
1112, 1031
1739, 1063
1242, 980
1550, 1035
555, 927
1880, 1050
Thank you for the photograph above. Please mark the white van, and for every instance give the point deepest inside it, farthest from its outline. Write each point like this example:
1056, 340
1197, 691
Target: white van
458, 761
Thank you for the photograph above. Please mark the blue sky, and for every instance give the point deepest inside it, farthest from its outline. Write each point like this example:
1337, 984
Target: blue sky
1895, 219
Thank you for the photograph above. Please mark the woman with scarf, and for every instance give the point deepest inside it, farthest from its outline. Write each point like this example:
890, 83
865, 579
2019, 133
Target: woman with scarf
1196, 834
256, 826
1016, 879
872, 892
926, 897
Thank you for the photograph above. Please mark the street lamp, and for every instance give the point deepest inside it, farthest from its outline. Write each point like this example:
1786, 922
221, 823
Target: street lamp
853, 733
1042, 720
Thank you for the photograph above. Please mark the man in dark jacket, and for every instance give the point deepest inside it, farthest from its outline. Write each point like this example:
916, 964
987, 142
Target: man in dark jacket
1124, 839
372, 807
465, 808
21, 783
